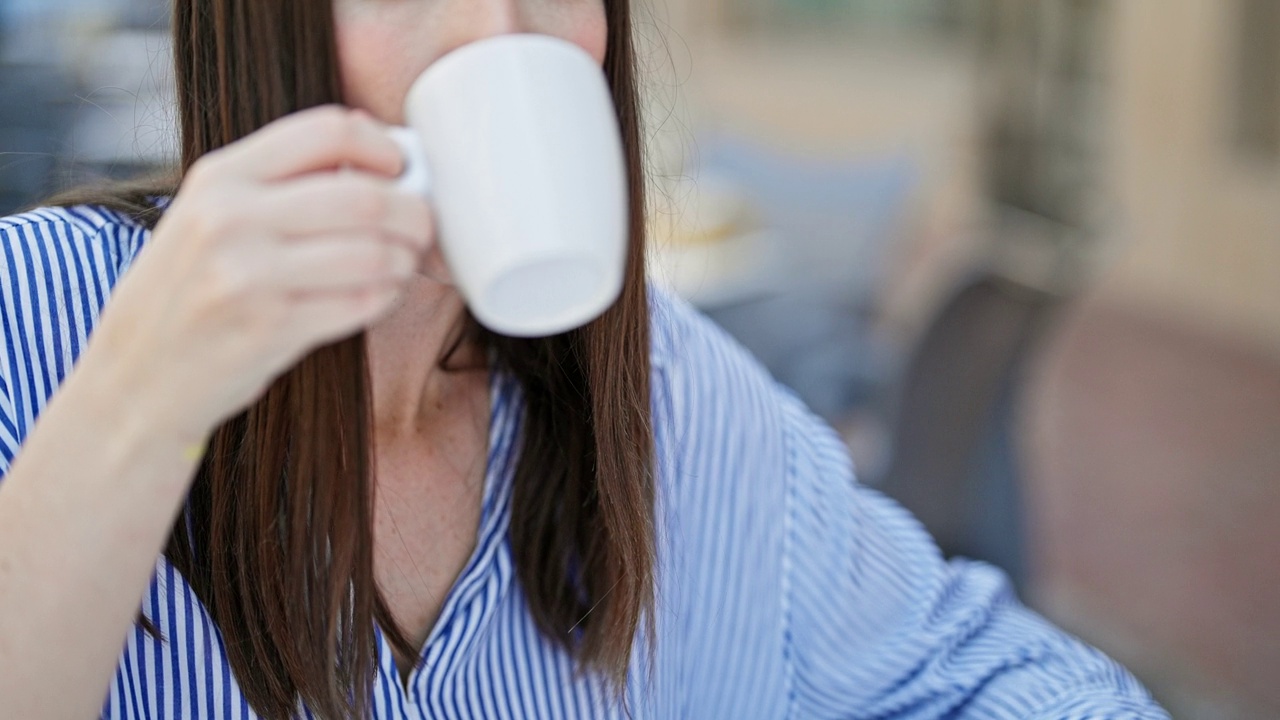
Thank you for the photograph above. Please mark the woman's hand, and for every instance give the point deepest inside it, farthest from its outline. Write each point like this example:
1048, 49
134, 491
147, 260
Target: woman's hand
289, 239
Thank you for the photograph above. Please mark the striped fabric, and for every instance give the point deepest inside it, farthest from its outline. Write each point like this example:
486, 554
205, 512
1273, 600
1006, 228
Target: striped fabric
785, 589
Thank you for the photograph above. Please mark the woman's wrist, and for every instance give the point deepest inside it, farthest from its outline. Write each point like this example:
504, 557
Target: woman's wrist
136, 413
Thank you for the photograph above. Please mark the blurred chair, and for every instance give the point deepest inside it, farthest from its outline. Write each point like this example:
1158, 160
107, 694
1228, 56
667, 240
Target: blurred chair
951, 460
1153, 489
821, 349
833, 225
837, 218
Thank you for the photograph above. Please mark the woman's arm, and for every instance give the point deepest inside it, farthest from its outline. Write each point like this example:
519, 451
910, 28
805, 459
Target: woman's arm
84, 512
264, 255
881, 626
797, 592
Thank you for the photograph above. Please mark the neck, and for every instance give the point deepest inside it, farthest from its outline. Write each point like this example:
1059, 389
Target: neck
411, 394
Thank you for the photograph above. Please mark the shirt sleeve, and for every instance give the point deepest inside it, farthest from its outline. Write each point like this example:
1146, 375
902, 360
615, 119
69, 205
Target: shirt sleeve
57, 266
10, 432
879, 625
8, 425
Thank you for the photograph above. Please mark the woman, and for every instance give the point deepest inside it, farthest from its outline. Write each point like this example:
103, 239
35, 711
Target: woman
398, 514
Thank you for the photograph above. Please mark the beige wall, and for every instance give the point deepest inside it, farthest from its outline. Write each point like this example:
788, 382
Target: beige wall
835, 96
1194, 230
1200, 227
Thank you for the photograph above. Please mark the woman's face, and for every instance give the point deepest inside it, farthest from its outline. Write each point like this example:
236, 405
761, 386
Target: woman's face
383, 45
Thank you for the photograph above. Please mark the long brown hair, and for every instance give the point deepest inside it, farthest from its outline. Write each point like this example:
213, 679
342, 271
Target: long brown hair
277, 536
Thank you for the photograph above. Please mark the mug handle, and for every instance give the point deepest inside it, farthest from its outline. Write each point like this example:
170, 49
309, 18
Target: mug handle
416, 178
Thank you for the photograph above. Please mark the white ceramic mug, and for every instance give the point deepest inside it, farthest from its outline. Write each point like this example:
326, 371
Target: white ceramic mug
515, 140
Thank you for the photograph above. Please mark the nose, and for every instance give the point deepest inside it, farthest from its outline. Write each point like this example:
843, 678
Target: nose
473, 20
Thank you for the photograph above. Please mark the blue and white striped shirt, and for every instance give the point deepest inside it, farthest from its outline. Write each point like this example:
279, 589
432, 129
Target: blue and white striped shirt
785, 589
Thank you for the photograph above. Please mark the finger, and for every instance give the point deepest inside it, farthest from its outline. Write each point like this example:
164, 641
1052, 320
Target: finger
340, 263
337, 202
320, 318
323, 138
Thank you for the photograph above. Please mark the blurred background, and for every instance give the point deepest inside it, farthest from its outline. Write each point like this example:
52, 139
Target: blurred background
1023, 254
85, 93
